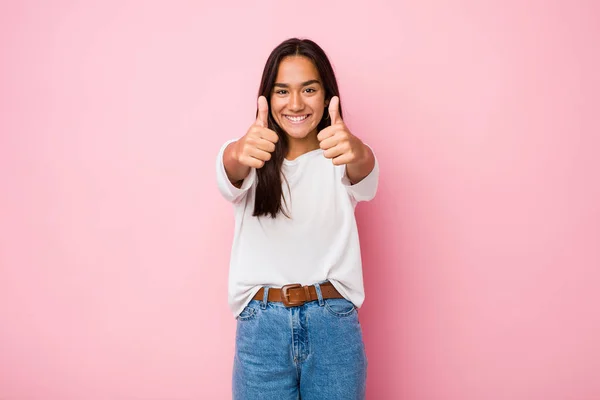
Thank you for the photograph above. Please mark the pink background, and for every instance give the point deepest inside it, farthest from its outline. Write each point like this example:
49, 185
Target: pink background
481, 251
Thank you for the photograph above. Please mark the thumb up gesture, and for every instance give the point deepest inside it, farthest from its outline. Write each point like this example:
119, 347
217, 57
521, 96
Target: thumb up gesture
341, 146
256, 146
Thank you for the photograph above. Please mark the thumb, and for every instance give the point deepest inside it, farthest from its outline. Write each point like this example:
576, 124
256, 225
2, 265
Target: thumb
263, 112
334, 107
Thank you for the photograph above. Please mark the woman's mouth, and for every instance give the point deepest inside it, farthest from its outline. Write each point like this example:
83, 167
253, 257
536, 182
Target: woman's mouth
296, 119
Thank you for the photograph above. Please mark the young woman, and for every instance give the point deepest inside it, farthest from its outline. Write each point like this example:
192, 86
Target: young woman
295, 278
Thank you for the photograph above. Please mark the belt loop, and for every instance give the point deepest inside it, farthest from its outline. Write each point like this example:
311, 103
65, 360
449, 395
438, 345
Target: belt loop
319, 294
265, 300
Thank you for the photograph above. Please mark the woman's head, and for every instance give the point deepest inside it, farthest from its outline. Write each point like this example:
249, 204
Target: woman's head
298, 82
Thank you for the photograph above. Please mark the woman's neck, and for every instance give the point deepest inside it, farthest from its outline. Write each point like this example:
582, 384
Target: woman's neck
297, 147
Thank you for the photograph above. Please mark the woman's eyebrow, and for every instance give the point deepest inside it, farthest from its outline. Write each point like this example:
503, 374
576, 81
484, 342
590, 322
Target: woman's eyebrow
285, 85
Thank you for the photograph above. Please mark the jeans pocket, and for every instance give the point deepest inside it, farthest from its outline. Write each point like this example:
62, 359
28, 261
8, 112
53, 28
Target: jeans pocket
340, 307
247, 314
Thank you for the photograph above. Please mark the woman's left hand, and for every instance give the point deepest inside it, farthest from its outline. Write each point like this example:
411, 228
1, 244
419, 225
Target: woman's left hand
340, 145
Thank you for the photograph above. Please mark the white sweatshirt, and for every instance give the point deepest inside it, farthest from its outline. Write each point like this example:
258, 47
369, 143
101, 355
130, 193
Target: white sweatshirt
319, 242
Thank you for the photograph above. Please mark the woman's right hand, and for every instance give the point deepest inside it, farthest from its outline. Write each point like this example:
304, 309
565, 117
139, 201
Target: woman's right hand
256, 146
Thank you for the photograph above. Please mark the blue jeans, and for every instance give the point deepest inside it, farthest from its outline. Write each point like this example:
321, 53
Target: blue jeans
311, 352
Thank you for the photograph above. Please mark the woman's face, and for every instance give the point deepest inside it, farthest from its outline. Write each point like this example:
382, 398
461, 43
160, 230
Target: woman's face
298, 97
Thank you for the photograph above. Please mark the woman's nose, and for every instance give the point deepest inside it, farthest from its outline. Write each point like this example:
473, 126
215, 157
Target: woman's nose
295, 103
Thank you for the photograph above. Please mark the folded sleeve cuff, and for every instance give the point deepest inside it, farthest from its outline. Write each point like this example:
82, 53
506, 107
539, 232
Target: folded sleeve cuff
366, 189
227, 189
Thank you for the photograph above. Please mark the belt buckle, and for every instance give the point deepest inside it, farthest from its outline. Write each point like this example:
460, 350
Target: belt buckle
285, 295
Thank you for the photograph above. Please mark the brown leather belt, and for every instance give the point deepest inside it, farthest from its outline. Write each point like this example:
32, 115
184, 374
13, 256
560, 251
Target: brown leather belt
295, 294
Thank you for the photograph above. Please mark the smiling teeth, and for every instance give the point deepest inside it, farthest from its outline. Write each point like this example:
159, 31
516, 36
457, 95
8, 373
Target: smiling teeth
296, 119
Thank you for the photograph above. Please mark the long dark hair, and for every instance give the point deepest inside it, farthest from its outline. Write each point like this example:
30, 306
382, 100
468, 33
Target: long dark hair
269, 192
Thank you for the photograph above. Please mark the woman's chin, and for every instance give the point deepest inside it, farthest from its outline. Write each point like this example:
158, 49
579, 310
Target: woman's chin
298, 134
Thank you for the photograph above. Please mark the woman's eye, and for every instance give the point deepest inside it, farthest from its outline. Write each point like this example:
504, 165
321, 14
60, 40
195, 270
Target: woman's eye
281, 91
310, 90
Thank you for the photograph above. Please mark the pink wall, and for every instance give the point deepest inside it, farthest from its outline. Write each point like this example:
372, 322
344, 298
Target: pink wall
481, 250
